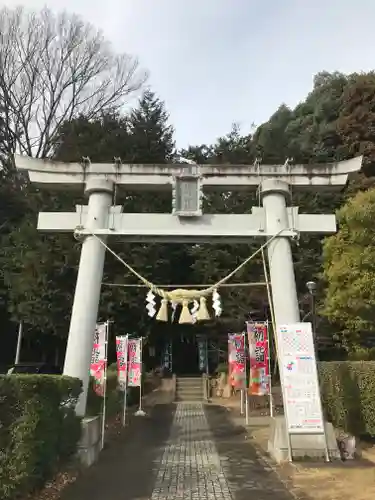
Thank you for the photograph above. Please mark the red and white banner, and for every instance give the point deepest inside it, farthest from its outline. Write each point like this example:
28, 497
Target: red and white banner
259, 380
135, 362
122, 360
98, 359
236, 360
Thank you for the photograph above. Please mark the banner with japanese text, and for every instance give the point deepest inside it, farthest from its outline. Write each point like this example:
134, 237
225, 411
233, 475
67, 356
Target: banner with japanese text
236, 360
135, 362
202, 353
98, 359
122, 360
259, 379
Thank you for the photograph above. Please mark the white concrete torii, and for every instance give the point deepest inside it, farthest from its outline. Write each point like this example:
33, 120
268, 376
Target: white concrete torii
100, 218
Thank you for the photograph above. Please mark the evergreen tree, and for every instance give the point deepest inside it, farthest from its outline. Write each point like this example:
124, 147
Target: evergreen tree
152, 136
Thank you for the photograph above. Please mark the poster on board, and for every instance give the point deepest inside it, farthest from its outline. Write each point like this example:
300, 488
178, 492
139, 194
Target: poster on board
299, 378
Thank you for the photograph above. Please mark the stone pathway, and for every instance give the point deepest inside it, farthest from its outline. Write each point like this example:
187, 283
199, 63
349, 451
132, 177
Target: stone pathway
188, 452
190, 467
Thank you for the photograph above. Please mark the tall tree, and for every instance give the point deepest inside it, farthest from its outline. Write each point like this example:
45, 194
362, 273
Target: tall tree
55, 67
40, 270
152, 136
349, 270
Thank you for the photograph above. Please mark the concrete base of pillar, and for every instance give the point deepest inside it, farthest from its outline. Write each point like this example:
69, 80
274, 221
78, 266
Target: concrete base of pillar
90, 444
303, 445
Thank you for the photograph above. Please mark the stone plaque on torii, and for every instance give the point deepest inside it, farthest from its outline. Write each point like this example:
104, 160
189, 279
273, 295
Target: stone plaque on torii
186, 223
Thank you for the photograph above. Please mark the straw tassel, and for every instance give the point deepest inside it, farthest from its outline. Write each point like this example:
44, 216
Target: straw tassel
185, 316
163, 311
203, 314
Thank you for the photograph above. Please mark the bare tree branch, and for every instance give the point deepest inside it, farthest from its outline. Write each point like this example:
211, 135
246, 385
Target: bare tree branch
55, 68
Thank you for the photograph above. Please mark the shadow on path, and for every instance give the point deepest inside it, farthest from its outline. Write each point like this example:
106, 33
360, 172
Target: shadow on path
247, 473
125, 468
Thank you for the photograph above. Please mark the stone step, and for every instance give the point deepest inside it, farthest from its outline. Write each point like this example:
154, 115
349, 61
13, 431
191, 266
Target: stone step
189, 398
195, 386
197, 392
188, 380
189, 389
183, 383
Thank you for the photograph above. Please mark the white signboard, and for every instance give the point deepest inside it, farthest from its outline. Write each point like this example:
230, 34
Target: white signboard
299, 378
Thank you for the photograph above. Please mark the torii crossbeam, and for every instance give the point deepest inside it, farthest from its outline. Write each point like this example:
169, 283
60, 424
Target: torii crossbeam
186, 223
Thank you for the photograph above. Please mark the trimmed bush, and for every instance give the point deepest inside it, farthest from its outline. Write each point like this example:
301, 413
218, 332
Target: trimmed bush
38, 429
114, 398
348, 395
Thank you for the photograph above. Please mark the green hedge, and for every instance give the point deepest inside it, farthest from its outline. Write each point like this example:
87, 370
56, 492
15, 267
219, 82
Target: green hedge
114, 398
348, 395
38, 429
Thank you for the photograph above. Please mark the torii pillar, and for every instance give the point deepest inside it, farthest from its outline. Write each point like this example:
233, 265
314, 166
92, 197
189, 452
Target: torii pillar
275, 220
275, 194
87, 293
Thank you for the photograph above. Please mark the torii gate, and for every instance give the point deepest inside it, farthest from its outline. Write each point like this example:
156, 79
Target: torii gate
186, 223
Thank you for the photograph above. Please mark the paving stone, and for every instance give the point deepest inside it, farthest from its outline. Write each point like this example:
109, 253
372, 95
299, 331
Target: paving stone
190, 466
189, 451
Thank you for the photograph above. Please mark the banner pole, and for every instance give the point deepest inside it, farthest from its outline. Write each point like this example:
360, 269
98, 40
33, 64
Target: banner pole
105, 383
140, 412
140, 376
246, 388
242, 408
269, 370
126, 381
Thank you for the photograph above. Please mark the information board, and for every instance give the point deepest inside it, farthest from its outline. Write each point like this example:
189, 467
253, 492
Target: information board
299, 378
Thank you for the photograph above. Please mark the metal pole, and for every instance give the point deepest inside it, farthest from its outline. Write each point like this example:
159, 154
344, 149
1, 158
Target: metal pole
242, 409
105, 382
269, 369
140, 412
246, 387
19, 341
126, 380
313, 322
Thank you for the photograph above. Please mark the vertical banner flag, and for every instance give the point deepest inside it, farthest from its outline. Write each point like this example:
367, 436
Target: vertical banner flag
299, 379
167, 357
122, 360
236, 360
98, 359
259, 380
134, 360
202, 354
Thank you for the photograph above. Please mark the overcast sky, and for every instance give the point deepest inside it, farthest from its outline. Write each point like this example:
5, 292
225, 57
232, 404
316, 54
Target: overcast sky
215, 62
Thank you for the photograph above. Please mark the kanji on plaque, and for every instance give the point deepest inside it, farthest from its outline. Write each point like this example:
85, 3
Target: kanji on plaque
122, 360
259, 380
236, 360
135, 364
98, 358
